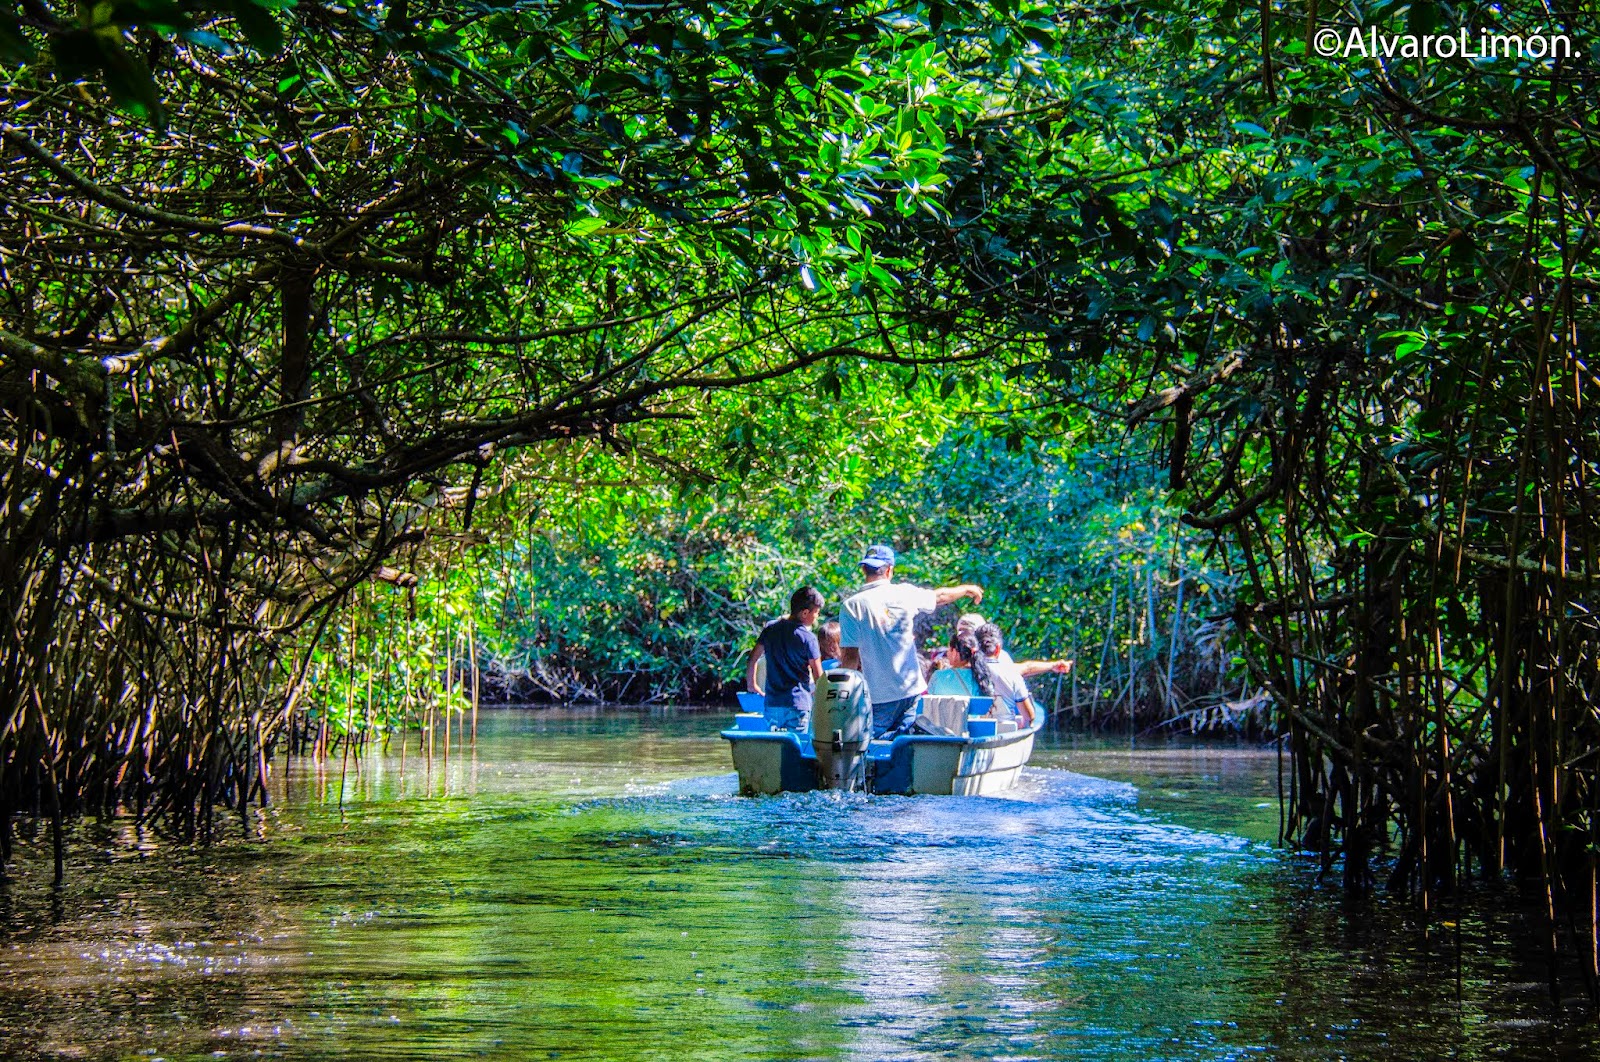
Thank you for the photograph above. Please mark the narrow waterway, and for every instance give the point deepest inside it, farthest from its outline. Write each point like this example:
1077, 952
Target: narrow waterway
585, 885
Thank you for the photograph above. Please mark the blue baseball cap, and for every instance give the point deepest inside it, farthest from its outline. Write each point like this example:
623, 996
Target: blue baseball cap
878, 557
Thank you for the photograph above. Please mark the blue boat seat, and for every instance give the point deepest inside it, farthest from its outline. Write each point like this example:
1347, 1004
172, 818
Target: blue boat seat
750, 721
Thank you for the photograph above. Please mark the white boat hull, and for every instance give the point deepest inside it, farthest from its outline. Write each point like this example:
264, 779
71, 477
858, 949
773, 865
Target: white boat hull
985, 770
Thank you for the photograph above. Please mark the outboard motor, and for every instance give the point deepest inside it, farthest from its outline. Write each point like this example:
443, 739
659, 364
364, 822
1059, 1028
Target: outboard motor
841, 726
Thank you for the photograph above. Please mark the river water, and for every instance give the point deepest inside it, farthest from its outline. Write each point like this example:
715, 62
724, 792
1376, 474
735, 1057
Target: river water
585, 885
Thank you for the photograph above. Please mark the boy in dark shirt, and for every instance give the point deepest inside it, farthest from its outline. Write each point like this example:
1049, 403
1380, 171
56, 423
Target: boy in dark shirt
794, 663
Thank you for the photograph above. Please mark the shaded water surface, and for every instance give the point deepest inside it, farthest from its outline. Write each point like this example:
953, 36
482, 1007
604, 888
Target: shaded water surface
586, 886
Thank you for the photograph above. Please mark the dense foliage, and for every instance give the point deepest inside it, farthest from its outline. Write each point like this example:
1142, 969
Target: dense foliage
611, 588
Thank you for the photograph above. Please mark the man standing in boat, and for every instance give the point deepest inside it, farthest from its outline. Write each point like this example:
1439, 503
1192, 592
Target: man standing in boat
876, 632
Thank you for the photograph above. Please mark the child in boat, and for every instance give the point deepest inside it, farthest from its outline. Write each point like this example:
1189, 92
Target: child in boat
1004, 675
828, 644
794, 663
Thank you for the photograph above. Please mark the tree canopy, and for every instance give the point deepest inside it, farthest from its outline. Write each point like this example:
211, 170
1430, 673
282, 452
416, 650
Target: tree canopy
297, 277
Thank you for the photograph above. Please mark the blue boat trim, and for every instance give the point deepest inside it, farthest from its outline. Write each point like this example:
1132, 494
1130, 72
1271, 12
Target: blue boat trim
797, 771
888, 763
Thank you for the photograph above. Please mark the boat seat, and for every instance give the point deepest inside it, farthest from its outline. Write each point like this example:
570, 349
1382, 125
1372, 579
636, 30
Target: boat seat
949, 714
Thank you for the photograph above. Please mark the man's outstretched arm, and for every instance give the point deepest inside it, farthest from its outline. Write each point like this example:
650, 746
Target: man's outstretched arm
944, 595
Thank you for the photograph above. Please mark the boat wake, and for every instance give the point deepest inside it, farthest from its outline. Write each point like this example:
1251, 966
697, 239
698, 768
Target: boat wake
1037, 785
1052, 818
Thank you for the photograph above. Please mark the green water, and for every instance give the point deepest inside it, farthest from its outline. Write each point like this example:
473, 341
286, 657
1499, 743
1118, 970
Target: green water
586, 886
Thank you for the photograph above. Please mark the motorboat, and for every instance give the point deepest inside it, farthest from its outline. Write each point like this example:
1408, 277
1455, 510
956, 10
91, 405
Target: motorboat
951, 746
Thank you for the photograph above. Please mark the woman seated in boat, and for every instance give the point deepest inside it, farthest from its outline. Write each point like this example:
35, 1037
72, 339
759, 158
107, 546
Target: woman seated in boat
1005, 677
966, 672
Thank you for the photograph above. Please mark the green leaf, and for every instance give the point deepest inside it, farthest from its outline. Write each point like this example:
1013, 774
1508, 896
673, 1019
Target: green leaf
260, 28
1423, 18
14, 47
84, 52
76, 53
210, 40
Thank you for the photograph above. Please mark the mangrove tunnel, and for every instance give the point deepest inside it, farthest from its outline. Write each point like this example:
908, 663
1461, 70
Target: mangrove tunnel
365, 366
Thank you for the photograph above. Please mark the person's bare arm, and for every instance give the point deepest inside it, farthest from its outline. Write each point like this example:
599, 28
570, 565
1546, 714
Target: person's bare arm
1025, 708
1030, 668
750, 669
850, 657
944, 595
816, 670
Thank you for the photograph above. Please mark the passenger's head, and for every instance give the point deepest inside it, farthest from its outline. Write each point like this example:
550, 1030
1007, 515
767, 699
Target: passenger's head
965, 652
878, 562
989, 639
963, 647
969, 622
828, 640
805, 604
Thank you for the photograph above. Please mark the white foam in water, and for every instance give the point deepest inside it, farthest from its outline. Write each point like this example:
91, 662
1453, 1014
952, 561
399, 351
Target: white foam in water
711, 785
1037, 785
1049, 784
1052, 817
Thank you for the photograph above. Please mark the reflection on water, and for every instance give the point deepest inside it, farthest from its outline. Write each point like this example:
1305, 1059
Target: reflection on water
586, 885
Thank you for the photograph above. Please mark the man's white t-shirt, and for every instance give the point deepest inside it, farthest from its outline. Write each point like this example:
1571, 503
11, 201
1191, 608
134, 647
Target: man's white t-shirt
878, 620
